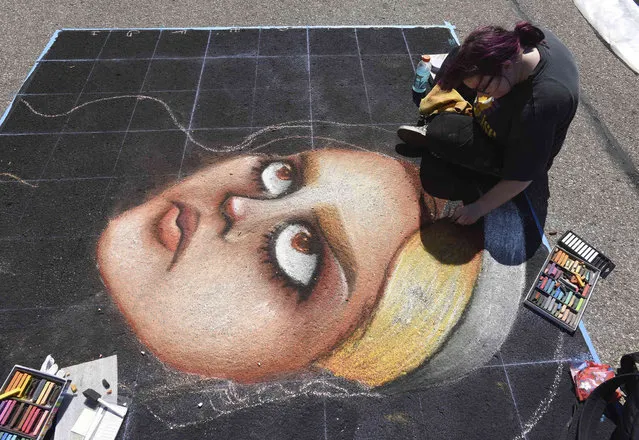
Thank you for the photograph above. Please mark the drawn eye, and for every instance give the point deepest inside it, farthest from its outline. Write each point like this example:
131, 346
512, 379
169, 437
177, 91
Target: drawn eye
277, 178
297, 253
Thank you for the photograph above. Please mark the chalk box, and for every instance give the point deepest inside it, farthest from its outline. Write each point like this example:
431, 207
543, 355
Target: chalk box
557, 293
52, 407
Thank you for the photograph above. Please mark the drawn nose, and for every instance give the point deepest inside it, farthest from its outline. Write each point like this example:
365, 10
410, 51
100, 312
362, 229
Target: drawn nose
243, 213
235, 209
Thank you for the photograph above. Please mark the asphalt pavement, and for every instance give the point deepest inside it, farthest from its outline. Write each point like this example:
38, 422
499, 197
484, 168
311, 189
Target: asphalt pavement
594, 183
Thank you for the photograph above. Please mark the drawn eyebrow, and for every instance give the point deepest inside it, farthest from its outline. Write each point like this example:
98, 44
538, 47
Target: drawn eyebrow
331, 224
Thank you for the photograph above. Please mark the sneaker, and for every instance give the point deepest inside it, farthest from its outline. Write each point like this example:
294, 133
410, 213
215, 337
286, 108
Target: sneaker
413, 136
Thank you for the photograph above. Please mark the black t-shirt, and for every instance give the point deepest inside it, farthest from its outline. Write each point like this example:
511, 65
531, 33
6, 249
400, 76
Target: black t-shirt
530, 122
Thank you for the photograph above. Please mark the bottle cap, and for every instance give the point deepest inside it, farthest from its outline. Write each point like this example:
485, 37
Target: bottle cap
426, 58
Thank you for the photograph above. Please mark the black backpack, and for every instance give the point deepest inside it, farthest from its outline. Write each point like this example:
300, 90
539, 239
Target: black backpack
628, 420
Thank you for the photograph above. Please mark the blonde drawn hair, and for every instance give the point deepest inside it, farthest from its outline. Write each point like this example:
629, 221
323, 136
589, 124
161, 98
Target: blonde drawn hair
429, 285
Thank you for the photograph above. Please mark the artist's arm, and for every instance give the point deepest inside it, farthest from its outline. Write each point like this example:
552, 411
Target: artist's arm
526, 157
497, 196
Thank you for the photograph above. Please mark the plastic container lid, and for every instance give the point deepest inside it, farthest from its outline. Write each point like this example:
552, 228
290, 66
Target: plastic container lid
426, 58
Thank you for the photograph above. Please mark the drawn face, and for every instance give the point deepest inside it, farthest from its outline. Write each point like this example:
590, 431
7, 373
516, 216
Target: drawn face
257, 266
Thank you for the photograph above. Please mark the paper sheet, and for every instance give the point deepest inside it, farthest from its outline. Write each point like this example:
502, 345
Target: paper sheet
86, 375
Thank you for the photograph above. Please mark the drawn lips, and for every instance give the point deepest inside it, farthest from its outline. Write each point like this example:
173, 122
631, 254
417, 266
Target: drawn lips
176, 227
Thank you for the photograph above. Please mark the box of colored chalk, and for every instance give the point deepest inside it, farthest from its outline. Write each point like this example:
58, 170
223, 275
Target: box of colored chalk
566, 281
29, 401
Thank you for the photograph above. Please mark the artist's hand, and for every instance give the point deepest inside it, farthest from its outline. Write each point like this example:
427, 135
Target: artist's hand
467, 214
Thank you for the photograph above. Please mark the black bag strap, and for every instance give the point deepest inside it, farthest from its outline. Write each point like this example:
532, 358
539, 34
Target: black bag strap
597, 401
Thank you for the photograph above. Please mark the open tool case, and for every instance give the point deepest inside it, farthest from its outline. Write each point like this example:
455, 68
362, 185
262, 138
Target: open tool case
567, 280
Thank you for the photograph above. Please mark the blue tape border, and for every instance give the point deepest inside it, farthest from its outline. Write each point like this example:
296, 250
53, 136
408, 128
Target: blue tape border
44, 51
582, 326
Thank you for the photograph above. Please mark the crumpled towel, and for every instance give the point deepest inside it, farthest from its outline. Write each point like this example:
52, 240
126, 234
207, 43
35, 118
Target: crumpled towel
437, 101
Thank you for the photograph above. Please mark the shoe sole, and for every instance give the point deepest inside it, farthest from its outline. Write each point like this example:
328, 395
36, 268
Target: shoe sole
411, 137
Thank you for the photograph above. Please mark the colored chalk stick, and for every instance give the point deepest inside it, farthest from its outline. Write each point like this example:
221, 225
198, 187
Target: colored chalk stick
16, 414
34, 422
7, 412
45, 393
31, 422
38, 390
574, 320
8, 404
544, 302
28, 425
579, 303
567, 316
12, 383
53, 395
43, 417
10, 393
25, 415
22, 382
34, 386
586, 290
547, 302
29, 389
45, 397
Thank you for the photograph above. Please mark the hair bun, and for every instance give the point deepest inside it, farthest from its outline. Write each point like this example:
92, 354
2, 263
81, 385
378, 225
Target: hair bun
528, 34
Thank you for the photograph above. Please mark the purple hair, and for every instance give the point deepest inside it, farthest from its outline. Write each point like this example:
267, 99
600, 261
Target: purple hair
485, 51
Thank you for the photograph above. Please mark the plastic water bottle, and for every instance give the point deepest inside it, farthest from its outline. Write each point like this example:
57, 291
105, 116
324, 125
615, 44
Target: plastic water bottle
422, 75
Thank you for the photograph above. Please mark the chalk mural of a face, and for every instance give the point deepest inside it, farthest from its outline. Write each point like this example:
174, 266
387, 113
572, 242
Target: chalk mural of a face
260, 266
